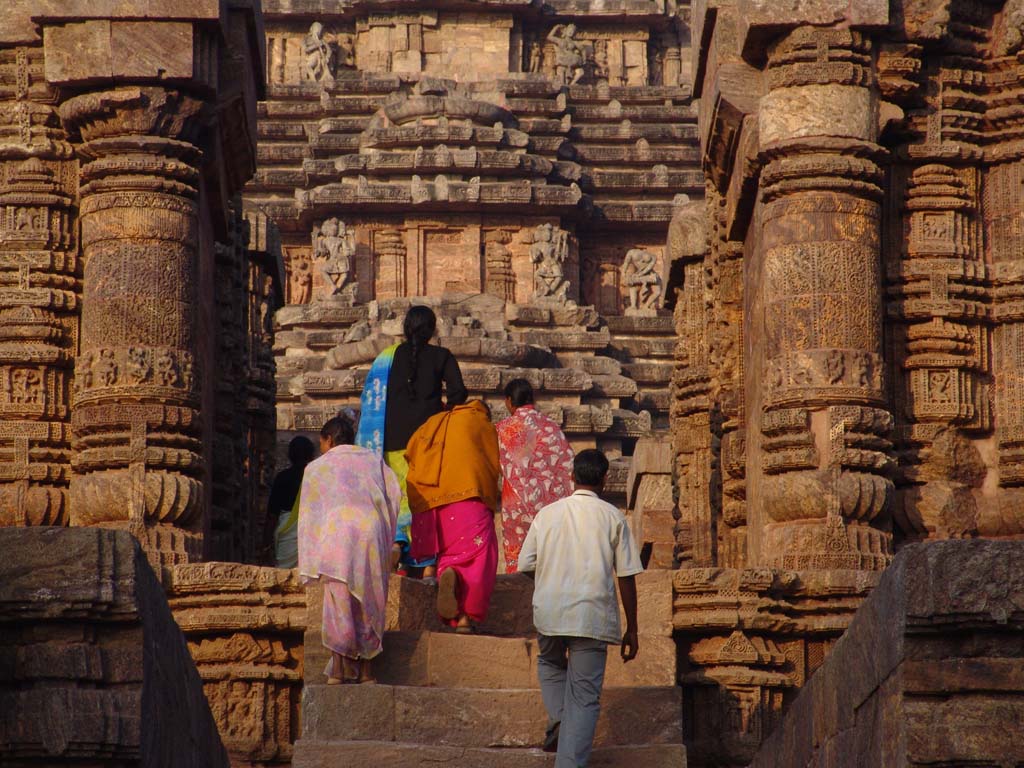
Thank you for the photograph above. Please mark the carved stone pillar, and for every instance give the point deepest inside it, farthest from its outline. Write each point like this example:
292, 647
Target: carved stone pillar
824, 490
691, 431
1003, 214
136, 421
944, 356
38, 295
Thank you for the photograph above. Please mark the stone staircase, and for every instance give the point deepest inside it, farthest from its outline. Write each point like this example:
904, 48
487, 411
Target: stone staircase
474, 701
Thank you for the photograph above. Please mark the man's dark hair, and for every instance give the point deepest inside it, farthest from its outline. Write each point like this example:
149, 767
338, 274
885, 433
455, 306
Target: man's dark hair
589, 467
339, 431
519, 392
301, 451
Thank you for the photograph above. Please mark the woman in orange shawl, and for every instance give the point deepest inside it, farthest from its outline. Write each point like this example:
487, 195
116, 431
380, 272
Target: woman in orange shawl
453, 483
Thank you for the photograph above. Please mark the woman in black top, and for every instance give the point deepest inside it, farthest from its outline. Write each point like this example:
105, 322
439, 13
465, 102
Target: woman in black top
419, 372
414, 383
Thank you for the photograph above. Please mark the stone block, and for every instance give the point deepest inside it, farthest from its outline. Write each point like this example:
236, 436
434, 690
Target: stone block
459, 661
922, 693
817, 110
95, 668
349, 712
322, 754
94, 50
516, 718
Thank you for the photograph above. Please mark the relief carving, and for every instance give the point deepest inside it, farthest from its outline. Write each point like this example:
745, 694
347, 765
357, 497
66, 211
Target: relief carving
334, 247
642, 278
549, 250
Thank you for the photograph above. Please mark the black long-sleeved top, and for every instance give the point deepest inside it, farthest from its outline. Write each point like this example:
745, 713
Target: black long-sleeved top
406, 412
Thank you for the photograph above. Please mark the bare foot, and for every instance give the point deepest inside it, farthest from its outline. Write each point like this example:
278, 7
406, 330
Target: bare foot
429, 571
366, 673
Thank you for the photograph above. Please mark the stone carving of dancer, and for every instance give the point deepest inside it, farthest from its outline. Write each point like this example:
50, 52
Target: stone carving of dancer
333, 247
300, 281
319, 53
641, 277
570, 55
549, 251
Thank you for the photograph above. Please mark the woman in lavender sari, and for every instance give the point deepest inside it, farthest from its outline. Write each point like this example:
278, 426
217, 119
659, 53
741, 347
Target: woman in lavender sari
348, 510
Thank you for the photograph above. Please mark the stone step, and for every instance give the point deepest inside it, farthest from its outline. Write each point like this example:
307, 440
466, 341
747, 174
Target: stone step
475, 717
390, 754
449, 660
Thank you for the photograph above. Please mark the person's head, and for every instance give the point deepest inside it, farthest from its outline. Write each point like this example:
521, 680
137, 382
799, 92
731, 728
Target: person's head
419, 326
589, 469
301, 451
518, 393
337, 431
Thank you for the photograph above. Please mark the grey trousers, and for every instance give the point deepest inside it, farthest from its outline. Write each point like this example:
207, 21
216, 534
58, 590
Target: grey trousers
571, 673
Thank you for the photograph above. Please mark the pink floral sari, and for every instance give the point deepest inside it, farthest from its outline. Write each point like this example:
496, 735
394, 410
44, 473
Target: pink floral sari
536, 462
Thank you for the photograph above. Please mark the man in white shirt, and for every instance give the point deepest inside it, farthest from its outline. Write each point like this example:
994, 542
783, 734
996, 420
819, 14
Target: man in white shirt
574, 551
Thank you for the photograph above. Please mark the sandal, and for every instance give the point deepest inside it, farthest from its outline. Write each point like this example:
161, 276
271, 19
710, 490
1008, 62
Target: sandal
447, 604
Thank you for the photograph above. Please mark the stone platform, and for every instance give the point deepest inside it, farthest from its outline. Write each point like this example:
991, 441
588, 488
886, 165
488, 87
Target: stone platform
475, 698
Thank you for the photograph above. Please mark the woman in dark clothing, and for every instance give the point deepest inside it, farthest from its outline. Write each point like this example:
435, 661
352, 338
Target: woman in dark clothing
285, 488
403, 389
414, 382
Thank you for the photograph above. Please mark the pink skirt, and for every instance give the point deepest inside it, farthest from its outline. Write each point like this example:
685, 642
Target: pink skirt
462, 536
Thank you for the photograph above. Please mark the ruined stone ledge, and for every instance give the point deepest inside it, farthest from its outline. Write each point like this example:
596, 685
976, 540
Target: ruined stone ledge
654, 113
318, 313
619, 211
630, 94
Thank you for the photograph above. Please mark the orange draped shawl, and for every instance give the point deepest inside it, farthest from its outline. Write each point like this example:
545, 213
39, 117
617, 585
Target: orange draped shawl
453, 457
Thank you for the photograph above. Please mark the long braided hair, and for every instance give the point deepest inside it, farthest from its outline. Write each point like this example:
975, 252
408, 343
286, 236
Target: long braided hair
419, 326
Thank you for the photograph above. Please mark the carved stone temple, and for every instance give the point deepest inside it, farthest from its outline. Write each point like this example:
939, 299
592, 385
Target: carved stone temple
768, 256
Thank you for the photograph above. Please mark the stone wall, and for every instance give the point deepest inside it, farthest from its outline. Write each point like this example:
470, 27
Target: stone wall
93, 669
929, 672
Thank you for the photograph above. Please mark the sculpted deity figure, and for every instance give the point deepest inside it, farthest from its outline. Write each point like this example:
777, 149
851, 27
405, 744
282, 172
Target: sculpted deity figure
319, 53
333, 246
640, 275
300, 281
570, 55
549, 251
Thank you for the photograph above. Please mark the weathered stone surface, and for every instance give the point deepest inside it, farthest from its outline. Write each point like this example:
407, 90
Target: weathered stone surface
929, 643
95, 669
245, 626
472, 717
395, 755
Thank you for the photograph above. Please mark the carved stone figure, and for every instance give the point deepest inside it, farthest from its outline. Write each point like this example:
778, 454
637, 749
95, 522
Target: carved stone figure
300, 280
549, 251
319, 53
570, 54
641, 277
333, 247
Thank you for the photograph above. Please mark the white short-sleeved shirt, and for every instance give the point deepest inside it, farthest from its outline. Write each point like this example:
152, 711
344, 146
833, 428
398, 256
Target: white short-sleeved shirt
577, 547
